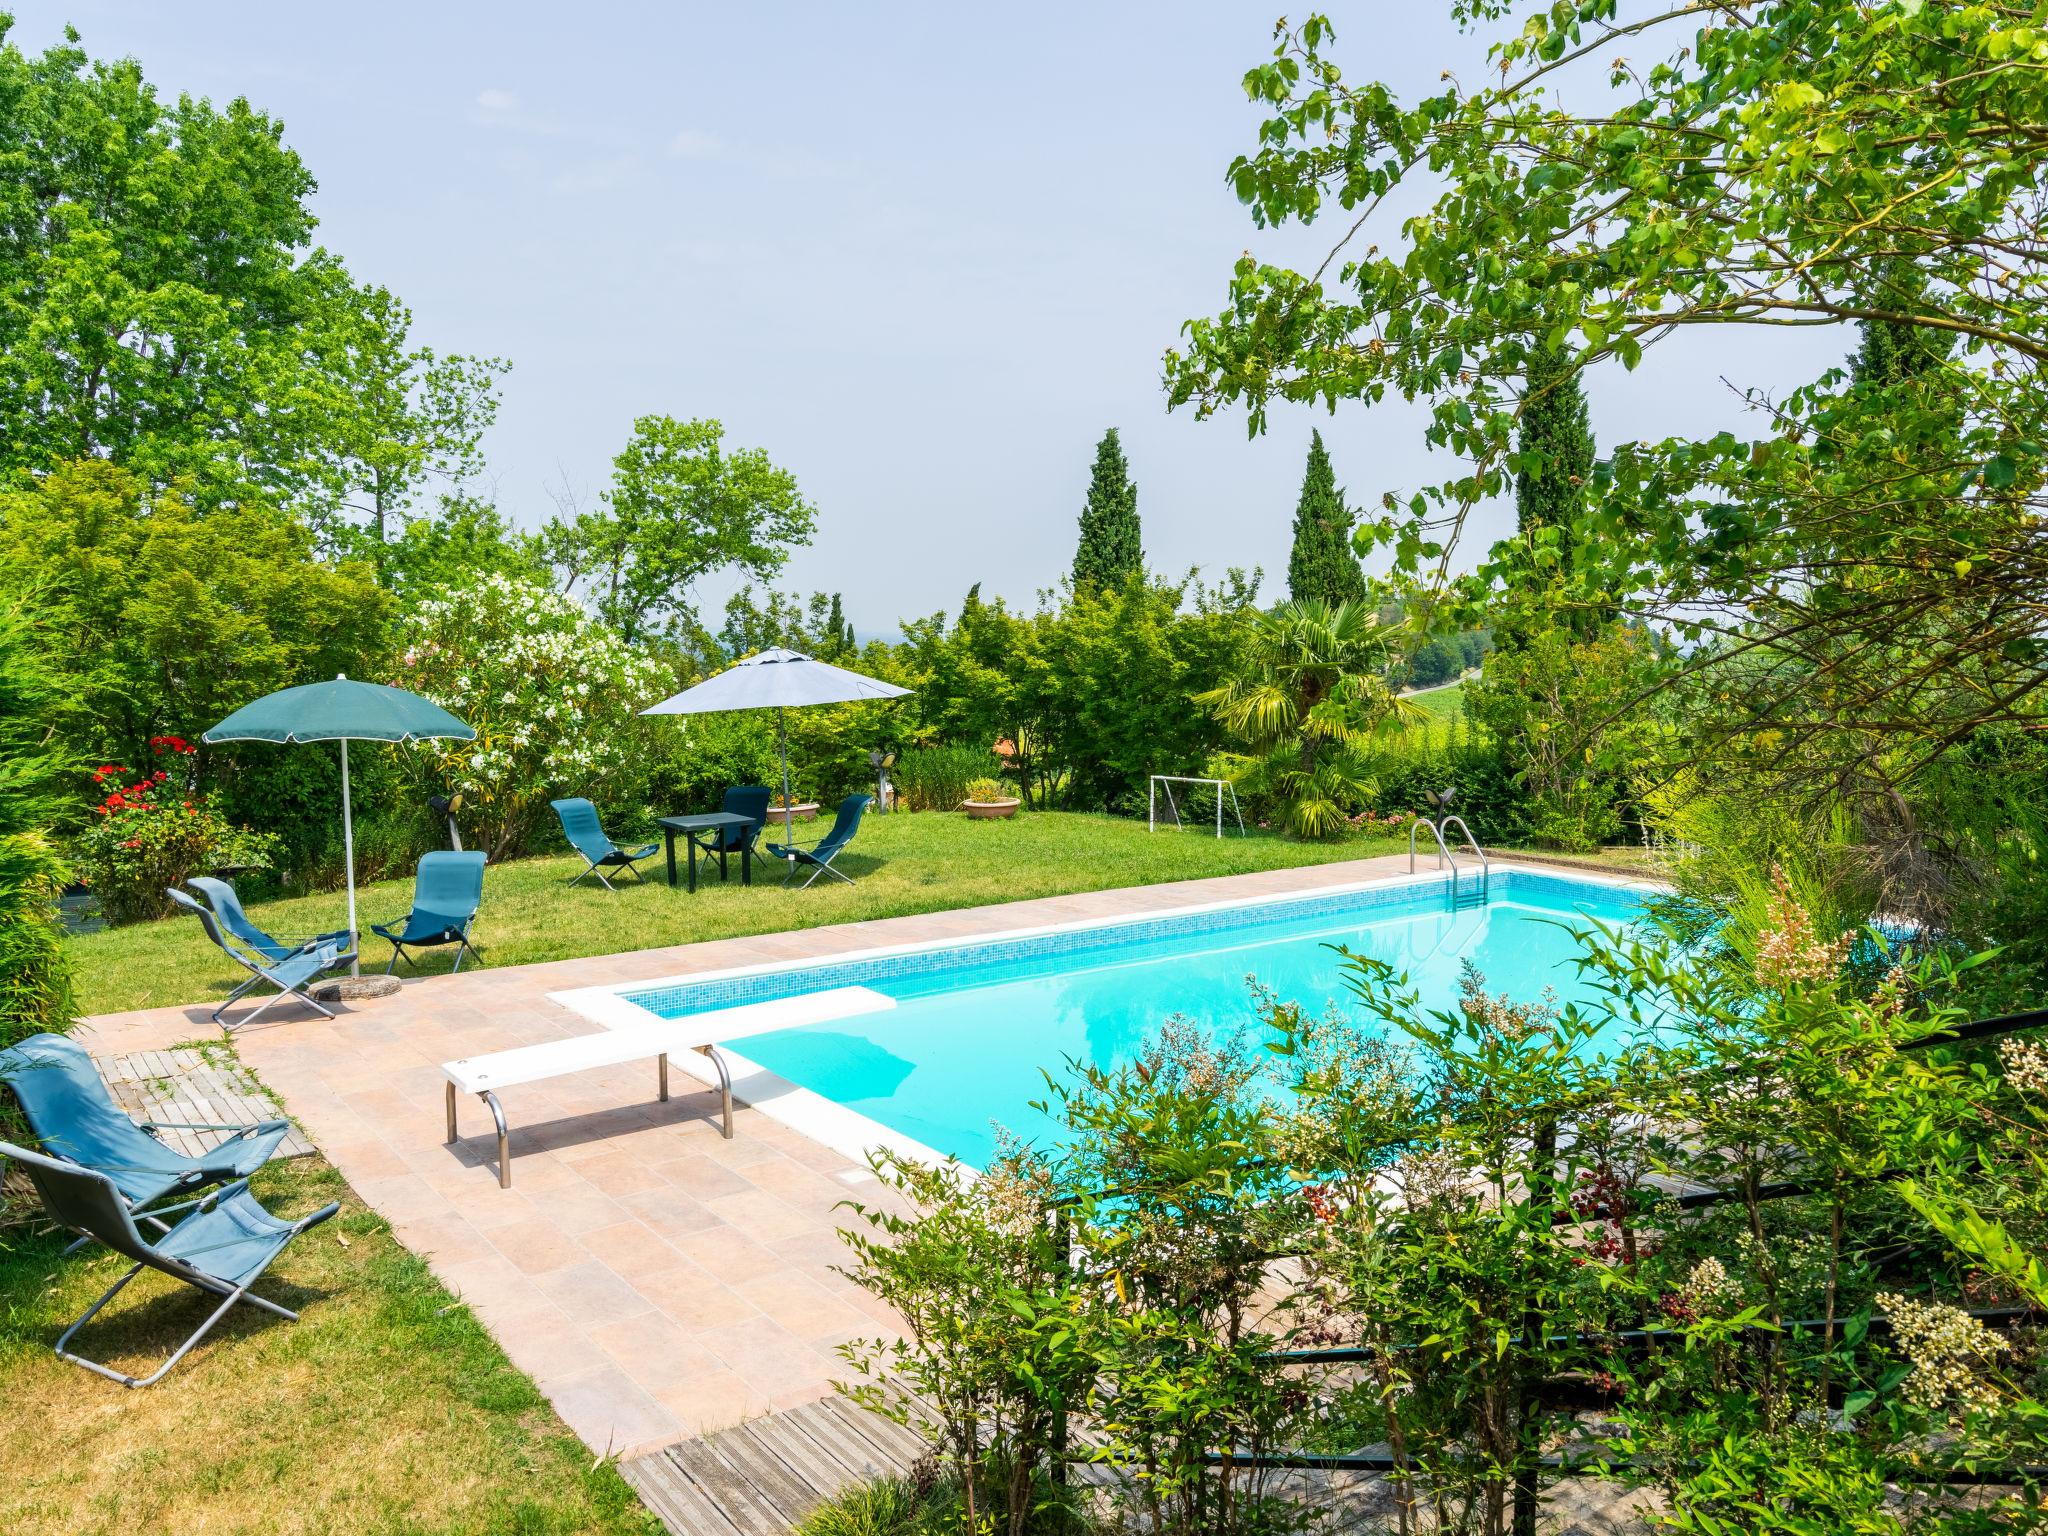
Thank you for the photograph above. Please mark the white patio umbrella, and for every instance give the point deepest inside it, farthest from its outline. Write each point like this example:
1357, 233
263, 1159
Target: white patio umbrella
777, 679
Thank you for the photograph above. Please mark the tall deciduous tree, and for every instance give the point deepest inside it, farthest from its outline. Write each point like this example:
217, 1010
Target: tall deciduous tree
1869, 561
1321, 565
162, 305
681, 506
1111, 550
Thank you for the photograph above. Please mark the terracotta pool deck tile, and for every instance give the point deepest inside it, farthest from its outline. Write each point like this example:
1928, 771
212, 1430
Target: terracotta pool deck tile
537, 1246
610, 1412
716, 1400
745, 1314
653, 1351
702, 1178
632, 1250
695, 1302
591, 1294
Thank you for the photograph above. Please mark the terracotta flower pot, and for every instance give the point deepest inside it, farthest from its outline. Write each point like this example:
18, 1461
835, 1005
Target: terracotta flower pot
990, 810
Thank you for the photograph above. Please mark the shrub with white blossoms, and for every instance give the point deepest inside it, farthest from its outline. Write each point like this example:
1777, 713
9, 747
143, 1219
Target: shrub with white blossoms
553, 693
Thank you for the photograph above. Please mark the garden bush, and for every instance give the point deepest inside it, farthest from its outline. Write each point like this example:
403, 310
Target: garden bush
153, 833
554, 697
936, 778
35, 973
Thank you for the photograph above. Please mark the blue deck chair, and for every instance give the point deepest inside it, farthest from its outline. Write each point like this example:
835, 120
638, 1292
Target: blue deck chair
290, 974
751, 801
68, 1107
222, 1248
580, 825
845, 822
445, 896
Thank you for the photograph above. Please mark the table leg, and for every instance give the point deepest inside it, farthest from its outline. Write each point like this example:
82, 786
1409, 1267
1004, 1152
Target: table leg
668, 835
724, 864
693, 866
747, 865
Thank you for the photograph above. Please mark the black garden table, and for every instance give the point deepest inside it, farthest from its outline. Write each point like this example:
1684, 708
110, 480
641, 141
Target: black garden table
702, 832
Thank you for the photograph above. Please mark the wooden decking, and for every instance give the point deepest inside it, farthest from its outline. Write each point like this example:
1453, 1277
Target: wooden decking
761, 1477
188, 1084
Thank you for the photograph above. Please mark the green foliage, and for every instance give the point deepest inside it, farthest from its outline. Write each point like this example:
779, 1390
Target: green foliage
1868, 550
461, 540
1311, 682
554, 697
160, 620
1111, 551
937, 778
1560, 711
1436, 661
152, 833
161, 305
1320, 565
1553, 458
35, 973
681, 505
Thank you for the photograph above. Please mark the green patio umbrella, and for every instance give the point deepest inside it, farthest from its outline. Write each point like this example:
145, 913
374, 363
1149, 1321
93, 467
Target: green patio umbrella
341, 711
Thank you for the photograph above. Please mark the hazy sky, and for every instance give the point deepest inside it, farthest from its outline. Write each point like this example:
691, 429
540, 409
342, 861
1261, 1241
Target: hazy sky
923, 255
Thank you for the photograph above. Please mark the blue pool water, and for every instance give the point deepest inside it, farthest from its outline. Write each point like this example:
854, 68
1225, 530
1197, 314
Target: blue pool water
976, 1025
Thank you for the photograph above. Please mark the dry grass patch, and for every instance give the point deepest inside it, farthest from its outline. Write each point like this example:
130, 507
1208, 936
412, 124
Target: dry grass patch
386, 1409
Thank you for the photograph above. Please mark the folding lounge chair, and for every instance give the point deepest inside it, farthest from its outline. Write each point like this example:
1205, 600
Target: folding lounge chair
222, 1248
845, 822
289, 974
445, 896
580, 825
68, 1107
227, 907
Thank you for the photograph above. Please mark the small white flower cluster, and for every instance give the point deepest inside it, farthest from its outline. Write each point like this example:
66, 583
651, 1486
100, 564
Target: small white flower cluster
2026, 1065
1709, 1286
1789, 950
1948, 1348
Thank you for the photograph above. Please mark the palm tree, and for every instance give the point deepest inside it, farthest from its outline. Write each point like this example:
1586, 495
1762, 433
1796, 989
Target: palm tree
1313, 683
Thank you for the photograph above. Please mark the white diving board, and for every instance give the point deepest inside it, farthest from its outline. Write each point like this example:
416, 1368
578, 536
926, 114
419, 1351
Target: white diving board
700, 1032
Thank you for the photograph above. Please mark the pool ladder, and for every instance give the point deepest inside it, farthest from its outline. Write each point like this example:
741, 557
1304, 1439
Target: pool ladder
1462, 894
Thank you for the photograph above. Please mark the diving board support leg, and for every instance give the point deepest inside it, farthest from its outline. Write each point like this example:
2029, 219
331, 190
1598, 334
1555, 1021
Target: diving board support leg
504, 1140
451, 1113
664, 1076
724, 1082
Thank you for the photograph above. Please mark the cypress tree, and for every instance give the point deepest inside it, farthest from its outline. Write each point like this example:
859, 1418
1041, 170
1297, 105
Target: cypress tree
1321, 565
1110, 551
1893, 351
838, 633
1556, 425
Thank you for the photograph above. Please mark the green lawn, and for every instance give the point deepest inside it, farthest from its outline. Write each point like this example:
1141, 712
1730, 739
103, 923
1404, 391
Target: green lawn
902, 864
1446, 703
386, 1409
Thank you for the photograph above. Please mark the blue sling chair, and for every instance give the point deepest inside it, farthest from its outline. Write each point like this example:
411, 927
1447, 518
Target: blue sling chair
587, 836
445, 896
288, 967
845, 822
76, 1120
291, 975
223, 1247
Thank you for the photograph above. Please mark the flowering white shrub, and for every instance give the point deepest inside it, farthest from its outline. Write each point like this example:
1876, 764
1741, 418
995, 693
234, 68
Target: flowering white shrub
553, 693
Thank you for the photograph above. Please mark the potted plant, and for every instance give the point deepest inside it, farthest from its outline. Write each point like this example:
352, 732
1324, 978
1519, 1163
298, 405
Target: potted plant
802, 810
987, 801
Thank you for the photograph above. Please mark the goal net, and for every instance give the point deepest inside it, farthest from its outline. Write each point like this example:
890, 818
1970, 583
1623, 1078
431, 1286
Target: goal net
1175, 800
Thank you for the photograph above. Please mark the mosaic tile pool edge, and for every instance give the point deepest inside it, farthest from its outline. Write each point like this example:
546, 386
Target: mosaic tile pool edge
689, 997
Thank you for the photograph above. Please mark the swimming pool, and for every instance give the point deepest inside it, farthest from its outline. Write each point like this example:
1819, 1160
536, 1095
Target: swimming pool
964, 1031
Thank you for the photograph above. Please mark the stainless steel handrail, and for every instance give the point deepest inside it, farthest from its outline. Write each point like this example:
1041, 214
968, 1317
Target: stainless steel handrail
1485, 868
1443, 853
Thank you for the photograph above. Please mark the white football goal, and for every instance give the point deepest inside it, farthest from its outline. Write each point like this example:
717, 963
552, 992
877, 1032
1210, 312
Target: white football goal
1199, 802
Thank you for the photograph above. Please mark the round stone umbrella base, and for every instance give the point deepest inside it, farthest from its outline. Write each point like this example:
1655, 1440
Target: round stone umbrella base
352, 989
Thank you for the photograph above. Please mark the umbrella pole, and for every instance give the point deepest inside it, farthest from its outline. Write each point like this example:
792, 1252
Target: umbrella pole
788, 810
348, 855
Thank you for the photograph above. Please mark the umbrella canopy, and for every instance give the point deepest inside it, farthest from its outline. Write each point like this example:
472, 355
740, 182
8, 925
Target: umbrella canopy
777, 679
342, 711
